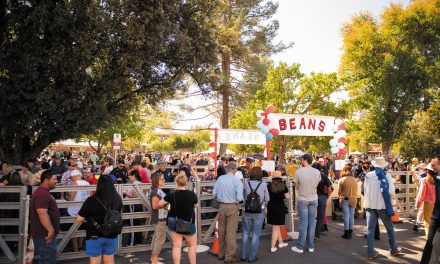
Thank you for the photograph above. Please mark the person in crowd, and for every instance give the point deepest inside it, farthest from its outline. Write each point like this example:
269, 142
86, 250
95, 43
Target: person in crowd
348, 189
77, 196
58, 167
418, 173
168, 175
306, 181
426, 197
324, 168
45, 220
89, 176
65, 178
5, 172
100, 248
44, 167
324, 190
94, 158
379, 189
120, 172
253, 222
221, 170
434, 225
282, 168
158, 216
133, 238
144, 172
190, 172
106, 167
277, 209
26, 177
228, 191
182, 203
32, 167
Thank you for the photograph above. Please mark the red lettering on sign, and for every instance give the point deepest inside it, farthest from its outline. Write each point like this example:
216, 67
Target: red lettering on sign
303, 124
321, 126
312, 123
282, 123
292, 123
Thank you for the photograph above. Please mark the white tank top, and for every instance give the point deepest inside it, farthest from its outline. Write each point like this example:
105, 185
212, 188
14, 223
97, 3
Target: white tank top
80, 196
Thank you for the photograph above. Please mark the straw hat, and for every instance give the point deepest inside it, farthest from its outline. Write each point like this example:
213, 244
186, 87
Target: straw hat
277, 174
379, 162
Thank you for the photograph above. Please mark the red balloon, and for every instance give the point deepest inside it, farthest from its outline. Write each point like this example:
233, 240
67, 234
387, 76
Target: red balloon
266, 121
342, 140
342, 126
274, 131
213, 154
270, 109
212, 144
342, 152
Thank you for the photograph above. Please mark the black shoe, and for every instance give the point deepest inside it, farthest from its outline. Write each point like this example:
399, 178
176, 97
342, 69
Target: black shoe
346, 235
325, 228
256, 259
376, 238
316, 239
243, 260
416, 228
350, 233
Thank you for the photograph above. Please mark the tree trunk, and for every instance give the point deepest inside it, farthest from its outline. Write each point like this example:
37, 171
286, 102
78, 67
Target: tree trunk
225, 93
282, 147
386, 149
19, 150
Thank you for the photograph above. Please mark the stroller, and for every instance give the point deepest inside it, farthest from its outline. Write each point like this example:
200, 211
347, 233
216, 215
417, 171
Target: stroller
337, 208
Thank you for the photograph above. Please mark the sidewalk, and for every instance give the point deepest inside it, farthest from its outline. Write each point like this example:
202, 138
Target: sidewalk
330, 249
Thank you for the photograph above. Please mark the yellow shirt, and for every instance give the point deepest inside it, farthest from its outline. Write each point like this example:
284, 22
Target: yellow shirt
292, 169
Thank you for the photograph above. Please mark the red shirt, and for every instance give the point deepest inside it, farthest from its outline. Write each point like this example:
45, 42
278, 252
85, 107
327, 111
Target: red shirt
144, 175
41, 198
91, 180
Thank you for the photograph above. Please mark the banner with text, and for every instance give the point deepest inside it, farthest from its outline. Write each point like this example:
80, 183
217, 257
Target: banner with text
302, 125
236, 136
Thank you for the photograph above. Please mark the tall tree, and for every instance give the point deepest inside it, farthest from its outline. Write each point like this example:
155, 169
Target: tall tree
68, 68
392, 64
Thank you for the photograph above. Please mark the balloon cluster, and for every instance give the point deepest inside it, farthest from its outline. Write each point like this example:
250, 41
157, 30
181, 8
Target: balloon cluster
263, 123
338, 142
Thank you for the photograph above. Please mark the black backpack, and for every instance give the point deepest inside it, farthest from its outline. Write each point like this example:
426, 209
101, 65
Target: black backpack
112, 224
253, 204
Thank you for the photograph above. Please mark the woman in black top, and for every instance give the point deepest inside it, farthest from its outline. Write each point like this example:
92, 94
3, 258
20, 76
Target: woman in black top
323, 188
182, 203
98, 246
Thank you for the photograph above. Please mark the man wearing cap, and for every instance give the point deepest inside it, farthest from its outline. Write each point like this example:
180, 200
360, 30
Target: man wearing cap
306, 182
379, 191
120, 172
228, 191
167, 174
58, 167
221, 170
65, 178
434, 226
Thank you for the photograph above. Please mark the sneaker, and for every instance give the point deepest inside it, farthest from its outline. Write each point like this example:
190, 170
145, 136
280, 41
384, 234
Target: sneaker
273, 249
372, 257
311, 250
396, 252
416, 227
282, 245
316, 239
297, 250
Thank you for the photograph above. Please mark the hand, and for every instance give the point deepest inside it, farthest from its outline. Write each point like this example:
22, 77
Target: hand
49, 237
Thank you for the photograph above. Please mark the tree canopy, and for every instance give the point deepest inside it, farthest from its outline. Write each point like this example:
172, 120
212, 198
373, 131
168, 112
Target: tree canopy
68, 68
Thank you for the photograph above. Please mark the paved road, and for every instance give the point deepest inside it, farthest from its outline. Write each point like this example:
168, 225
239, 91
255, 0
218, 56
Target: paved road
330, 249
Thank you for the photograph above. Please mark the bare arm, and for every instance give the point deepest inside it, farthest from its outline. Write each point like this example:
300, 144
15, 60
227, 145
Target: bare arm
161, 203
286, 195
45, 221
155, 203
80, 218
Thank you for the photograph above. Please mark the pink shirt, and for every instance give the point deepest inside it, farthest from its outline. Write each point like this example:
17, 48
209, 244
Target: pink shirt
426, 193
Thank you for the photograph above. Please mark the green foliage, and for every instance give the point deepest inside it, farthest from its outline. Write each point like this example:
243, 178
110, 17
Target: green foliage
391, 65
194, 141
69, 68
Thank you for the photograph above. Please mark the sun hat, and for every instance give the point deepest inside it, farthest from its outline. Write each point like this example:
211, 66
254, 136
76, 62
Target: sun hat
379, 162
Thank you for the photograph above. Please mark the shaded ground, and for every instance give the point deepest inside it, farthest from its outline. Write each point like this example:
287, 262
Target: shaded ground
330, 249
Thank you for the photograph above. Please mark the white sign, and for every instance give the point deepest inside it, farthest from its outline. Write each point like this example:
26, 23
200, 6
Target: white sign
117, 141
339, 164
236, 136
268, 165
302, 125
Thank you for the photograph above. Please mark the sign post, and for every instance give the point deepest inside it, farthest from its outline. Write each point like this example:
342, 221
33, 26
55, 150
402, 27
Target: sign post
116, 146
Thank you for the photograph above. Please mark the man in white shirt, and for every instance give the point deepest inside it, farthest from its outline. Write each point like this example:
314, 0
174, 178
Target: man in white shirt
376, 205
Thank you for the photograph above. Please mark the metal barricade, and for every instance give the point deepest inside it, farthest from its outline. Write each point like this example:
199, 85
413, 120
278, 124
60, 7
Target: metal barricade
20, 203
406, 194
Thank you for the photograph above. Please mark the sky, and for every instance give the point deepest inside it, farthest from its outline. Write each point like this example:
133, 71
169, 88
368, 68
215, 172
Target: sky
314, 28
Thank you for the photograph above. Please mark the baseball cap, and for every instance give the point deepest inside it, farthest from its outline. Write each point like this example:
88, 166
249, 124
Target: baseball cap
249, 159
75, 173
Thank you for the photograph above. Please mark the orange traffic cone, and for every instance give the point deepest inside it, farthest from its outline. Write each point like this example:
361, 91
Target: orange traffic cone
395, 218
215, 247
283, 232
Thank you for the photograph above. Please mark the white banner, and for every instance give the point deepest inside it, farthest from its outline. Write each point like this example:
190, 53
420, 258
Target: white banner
236, 136
268, 165
302, 125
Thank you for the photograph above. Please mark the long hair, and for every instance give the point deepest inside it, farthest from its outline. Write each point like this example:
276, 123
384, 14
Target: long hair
106, 192
256, 173
317, 166
155, 180
429, 177
277, 185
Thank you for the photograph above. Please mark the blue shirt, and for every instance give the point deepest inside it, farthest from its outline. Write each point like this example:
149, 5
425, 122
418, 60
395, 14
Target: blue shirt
261, 191
228, 189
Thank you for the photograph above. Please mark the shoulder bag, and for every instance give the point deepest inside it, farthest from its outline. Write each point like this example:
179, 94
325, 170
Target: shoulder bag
182, 227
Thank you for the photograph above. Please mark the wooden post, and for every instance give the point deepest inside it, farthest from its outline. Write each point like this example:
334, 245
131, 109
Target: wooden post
268, 149
215, 150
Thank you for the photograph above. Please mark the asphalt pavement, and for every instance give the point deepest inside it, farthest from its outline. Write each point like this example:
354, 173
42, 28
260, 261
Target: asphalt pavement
331, 248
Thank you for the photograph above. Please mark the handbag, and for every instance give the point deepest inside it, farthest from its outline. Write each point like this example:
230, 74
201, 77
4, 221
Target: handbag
182, 227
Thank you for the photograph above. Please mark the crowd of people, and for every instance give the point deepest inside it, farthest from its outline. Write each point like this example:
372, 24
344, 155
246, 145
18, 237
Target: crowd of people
314, 178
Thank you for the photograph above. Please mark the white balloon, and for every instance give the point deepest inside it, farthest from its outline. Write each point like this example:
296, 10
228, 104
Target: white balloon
341, 145
334, 150
259, 112
264, 129
338, 121
342, 133
336, 136
335, 128
333, 142
259, 124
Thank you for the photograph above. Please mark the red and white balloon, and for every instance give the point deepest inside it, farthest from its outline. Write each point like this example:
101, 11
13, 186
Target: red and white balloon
337, 143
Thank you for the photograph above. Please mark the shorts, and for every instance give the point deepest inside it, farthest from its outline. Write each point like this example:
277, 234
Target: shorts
101, 246
171, 222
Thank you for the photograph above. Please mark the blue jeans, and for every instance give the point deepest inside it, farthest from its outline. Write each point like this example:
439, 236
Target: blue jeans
251, 223
372, 216
44, 253
322, 201
307, 211
348, 213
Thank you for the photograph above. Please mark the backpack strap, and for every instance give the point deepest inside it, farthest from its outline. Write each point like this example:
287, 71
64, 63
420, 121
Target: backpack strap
101, 203
253, 191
